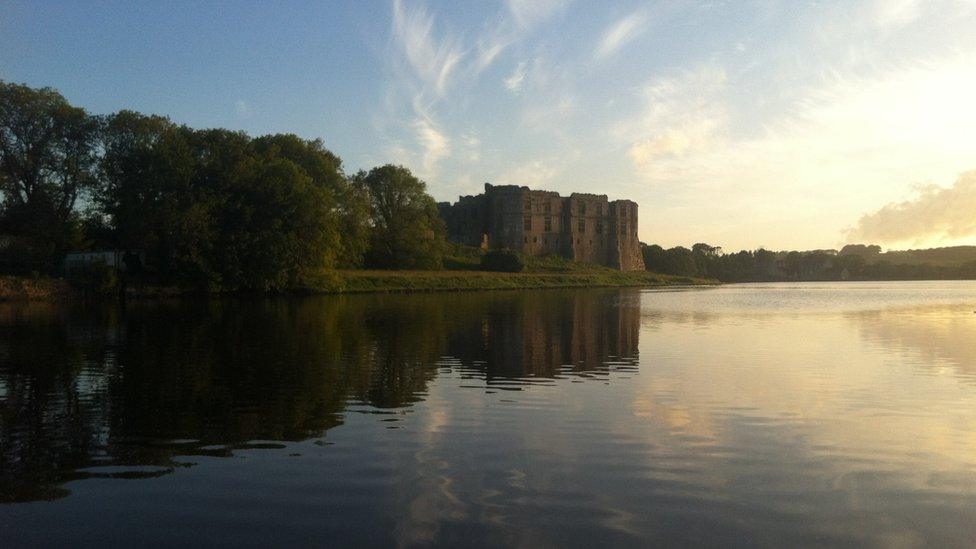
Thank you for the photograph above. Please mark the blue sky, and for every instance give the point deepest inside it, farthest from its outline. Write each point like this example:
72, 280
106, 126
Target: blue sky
783, 124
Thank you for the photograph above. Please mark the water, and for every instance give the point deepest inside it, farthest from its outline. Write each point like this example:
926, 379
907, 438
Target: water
775, 415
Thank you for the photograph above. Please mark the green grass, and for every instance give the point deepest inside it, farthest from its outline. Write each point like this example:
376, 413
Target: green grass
363, 281
463, 272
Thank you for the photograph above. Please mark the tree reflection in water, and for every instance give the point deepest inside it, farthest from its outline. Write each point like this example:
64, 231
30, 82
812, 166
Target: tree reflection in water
107, 391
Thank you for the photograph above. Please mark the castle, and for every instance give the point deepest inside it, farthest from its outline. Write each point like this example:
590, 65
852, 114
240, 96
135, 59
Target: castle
581, 227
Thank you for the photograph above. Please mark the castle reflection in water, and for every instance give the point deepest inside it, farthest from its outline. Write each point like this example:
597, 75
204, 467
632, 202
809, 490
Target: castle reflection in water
81, 386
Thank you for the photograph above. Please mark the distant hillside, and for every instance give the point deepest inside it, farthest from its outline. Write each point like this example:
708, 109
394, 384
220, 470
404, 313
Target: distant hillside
952, 255
852, 262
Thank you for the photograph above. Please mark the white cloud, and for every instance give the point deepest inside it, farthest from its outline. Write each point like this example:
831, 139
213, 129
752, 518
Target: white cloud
893, 14
514, 82
620, 33
937, 214
433, 61
529, 13
242, 109
472, 147
488, 51
680, 115
850, 141
436, 146
549, 114
534, 173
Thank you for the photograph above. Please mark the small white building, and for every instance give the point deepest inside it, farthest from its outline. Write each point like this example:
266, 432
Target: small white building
109, 258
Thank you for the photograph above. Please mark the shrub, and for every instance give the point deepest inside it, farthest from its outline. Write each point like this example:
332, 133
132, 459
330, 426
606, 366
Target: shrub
506, 261
95, 278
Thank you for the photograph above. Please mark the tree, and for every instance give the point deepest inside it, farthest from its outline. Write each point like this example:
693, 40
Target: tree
654, 257
407, 232
275, 228
47, 160
147, 172
350, 204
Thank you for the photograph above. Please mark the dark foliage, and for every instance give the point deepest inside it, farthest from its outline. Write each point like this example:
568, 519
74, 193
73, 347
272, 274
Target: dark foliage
213, 209
505, 261
853, 262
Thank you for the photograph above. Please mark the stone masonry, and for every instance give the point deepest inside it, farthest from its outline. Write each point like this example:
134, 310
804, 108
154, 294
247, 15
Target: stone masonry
581, 227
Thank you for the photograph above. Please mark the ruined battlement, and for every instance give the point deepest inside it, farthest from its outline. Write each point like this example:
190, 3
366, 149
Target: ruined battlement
581, 227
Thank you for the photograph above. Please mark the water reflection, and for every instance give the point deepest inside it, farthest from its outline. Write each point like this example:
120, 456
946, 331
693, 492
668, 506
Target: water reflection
102, 391
933, 337
780, 415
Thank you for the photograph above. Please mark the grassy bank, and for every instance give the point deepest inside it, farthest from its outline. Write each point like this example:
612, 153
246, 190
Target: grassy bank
406, 281
19, 288
462, 272
363, 281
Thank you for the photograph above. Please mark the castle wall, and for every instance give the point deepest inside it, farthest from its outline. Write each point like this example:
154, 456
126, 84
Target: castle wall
581, 227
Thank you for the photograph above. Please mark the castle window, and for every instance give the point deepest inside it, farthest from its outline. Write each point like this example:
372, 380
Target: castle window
525, 240
535, 240
599, 226
548, 207
582, 225
548, 224
527, 223
623, 226
582, 208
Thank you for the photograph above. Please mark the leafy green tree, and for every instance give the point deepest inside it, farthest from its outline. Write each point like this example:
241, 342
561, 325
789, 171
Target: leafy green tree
654, 257
407, 230
350, 204
147, 174
47, 160
275, 228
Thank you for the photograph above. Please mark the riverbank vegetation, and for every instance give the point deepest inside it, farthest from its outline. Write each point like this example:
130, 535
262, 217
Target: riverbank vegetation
215, 210
209, 209
852, 262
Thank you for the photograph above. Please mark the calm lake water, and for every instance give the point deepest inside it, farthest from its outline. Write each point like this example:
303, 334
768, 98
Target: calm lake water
775, 415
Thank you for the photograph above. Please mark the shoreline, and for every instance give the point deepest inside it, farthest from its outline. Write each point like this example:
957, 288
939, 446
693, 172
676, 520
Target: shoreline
17, 289
359, 282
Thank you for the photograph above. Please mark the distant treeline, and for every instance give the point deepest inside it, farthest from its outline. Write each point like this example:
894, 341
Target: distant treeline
210, 208
853, 262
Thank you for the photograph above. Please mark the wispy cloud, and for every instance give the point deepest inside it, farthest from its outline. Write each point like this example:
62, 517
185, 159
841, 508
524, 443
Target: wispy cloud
489, 50
937, 214
471, 147
436, 146
850, 140
433, 60
893, 14
620, 33
514, 82
550, 115
681, 114
242, 109
534, 173
431, 65
426, 65
529, 13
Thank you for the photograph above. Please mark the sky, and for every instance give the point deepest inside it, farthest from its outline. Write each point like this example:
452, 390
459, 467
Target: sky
777, 124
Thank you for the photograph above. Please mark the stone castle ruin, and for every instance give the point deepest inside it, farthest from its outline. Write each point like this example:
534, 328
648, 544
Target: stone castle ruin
580, 227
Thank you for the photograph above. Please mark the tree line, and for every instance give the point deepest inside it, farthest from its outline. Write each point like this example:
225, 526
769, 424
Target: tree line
210, 208
852, 262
